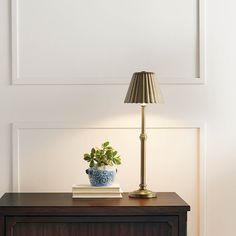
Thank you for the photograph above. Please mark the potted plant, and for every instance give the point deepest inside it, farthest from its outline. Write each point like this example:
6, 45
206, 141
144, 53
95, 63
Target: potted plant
102, 163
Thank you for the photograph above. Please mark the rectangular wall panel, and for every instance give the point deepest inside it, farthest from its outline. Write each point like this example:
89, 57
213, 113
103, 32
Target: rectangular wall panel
104, 42
50, 159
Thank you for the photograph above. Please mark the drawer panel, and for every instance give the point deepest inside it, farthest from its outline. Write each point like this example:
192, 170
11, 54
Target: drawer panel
93, 226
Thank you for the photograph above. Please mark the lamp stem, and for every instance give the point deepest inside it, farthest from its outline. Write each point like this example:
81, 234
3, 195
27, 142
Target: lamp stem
143, 192
143, 138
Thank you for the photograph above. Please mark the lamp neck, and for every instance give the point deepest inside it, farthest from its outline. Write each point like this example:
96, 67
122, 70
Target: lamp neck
143, 138
143, 122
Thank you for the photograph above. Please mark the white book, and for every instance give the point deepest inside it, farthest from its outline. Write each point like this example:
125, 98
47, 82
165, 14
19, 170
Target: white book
88, 186
95, 192
97, 195
92, 189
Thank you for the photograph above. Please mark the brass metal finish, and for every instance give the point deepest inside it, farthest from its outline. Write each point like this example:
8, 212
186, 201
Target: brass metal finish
142, 192
143, 138
143, 89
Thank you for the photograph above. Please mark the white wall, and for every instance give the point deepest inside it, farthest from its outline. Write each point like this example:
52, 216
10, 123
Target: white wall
102, 105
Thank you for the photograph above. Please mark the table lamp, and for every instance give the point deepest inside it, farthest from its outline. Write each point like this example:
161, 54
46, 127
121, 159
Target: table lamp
143, 89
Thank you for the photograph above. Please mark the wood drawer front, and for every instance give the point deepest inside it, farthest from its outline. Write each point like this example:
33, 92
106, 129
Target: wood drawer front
92, 226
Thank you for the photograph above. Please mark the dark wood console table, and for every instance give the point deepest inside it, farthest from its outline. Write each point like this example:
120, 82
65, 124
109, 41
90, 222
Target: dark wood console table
57, 214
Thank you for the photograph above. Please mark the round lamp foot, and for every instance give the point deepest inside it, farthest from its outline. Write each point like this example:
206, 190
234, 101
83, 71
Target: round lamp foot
143, 193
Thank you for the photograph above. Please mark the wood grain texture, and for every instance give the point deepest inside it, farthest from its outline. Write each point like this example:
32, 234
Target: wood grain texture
182, 224
93, 229
1, 225
164, 199
46, 214
106, 226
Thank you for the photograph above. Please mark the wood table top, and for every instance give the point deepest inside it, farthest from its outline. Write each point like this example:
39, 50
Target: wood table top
164, 199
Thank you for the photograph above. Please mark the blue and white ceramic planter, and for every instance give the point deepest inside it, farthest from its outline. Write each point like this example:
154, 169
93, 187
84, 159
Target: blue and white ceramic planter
101, 176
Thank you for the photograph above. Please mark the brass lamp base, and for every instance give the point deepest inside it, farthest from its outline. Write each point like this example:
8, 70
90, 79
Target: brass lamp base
143, 193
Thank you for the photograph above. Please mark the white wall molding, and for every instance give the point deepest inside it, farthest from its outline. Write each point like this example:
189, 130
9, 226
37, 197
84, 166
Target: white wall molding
17, 78
201, 127
202, 40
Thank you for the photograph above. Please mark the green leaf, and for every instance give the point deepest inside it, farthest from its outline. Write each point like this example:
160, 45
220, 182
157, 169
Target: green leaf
108, 153
87, 157
93, 150
103, 156
105, 144
118, 162
91, 164
98, 154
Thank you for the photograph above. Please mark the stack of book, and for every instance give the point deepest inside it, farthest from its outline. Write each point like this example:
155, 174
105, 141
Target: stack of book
88, 191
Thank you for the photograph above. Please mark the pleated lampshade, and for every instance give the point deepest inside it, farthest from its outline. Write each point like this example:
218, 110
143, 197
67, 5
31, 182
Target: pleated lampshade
143, 88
